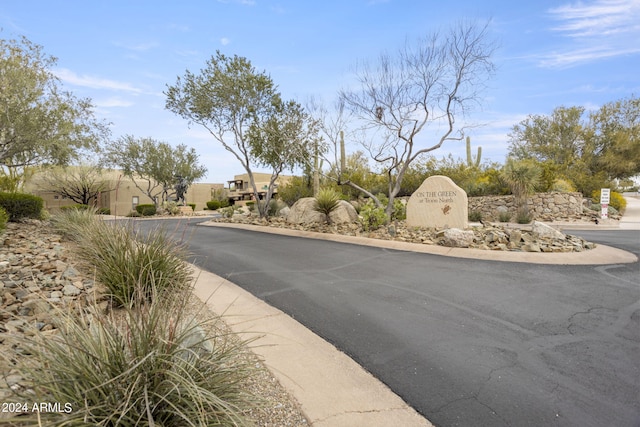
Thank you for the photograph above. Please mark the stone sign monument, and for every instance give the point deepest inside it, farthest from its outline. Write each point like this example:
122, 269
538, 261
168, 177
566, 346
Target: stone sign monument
438, 203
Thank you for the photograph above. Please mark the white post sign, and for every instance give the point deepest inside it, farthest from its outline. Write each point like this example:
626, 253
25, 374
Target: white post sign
605, 195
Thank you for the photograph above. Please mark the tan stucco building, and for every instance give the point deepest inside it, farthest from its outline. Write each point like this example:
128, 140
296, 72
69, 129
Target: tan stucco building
121, 195
240, 190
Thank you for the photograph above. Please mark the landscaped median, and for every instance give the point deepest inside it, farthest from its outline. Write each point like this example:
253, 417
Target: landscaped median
485, 244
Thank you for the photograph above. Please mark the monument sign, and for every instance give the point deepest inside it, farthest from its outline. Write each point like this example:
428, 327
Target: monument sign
438, 203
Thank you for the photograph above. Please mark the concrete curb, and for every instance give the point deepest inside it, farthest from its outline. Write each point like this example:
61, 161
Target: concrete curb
332, 389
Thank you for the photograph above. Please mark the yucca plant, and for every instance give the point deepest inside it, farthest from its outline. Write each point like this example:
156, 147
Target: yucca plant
327, 201
149, 363
522, 176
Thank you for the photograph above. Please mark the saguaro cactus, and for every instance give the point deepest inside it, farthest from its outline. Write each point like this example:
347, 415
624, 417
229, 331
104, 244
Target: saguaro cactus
470, 162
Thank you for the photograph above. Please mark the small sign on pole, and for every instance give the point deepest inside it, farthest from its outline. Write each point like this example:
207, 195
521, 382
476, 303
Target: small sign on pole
605, 196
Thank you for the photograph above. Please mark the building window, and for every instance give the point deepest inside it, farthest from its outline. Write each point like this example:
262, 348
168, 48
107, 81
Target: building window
135, 201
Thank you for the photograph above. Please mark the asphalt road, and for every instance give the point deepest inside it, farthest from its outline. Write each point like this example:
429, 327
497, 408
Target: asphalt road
464, 342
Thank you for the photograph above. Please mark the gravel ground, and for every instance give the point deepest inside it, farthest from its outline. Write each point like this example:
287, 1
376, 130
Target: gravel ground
22, 244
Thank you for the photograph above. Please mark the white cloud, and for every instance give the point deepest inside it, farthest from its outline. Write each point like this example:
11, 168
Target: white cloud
597, 30
93, 82
138, 47
601, 18
225, 41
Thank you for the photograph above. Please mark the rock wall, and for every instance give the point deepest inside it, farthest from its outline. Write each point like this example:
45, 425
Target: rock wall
542, 206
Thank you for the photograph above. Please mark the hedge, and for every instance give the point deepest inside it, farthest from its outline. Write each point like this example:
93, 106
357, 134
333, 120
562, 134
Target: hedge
146, 210
21, 205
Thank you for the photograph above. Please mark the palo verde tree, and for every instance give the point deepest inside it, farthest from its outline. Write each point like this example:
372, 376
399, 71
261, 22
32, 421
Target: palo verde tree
426, 85
242, 109
82, 184
40, 123
154, 165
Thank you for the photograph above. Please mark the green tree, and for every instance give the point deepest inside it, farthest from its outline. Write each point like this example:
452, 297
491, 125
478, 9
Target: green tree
153, 165
241, 108
426, 85
589, 151
558, 138
615, 138
287, 138
40, 123
82, 184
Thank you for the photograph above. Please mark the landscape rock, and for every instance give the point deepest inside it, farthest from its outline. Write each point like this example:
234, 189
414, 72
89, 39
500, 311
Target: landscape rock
303, 212
37, 276
486, 237
543, 230
456, 238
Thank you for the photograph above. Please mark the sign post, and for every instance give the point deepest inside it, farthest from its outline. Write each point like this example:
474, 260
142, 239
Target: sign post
605, 195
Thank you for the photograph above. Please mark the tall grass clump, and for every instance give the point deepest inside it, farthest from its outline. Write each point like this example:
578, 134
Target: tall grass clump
124, 259
149, 363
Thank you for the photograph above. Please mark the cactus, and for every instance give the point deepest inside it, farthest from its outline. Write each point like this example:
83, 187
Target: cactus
470, 162
342, 155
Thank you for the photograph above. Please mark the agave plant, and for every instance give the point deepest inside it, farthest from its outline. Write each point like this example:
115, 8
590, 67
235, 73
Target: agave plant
327, 200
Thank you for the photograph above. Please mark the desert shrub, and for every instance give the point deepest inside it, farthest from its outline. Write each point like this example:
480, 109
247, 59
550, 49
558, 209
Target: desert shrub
146, 209
294, 190
326, 201
213, 205
523, 216
399, 210
372, 217
170, 208
149, 364
20, 205
562, 186
251, 206
616, 200
504, 217
227, 212
103, 211
125, 260
4, 218
275, 206
192, 205
475, 216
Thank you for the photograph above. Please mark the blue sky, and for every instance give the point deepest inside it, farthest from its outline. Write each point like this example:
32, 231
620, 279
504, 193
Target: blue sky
122, 54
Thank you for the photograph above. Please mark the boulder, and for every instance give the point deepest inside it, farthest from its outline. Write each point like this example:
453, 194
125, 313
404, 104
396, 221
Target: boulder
541, 229
303, 212
438, 203
456, 238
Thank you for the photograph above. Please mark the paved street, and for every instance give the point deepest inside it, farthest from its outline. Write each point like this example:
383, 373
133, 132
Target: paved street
465, 342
